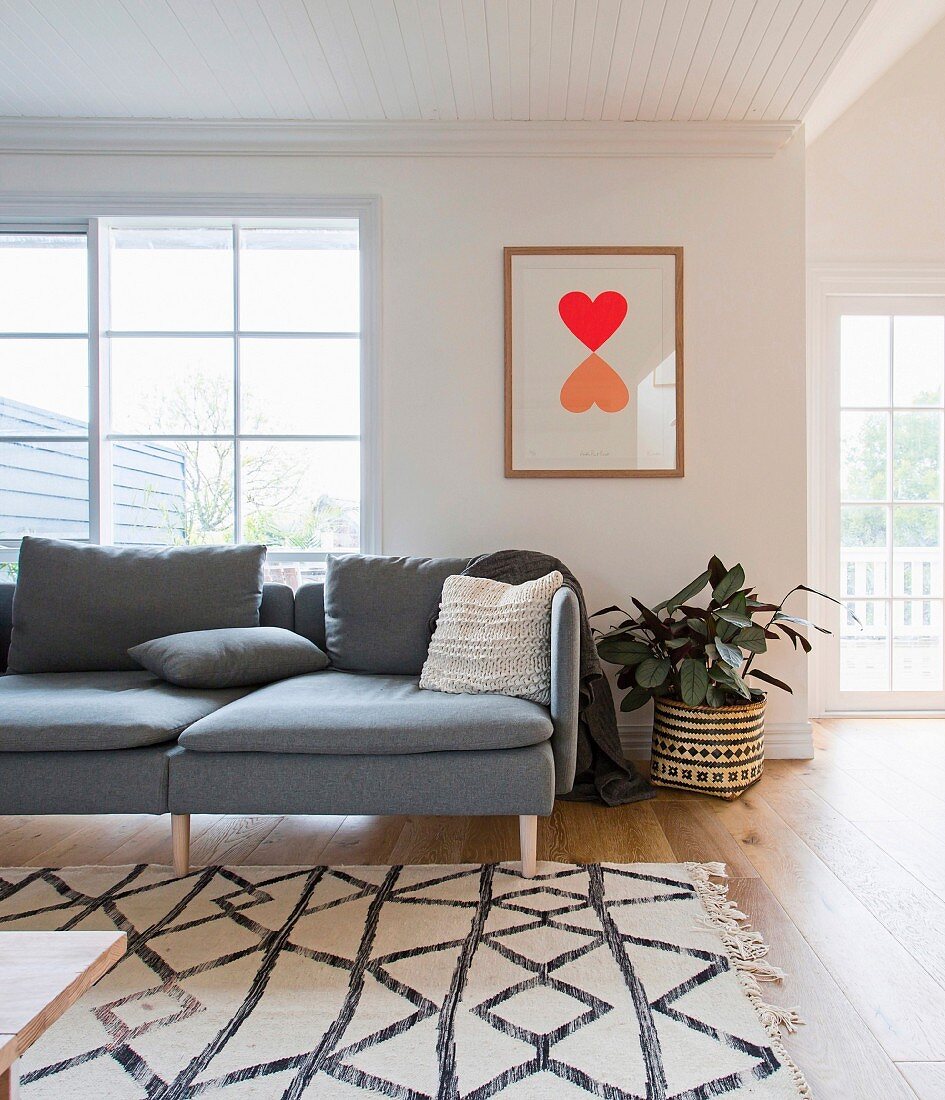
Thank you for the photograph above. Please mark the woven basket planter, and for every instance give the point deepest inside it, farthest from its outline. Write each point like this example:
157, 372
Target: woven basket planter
716, 750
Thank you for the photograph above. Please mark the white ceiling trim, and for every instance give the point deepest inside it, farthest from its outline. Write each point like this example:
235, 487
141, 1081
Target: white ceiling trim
887, 34
272, 137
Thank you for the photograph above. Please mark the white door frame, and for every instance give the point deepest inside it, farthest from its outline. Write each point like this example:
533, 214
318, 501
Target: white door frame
826, 282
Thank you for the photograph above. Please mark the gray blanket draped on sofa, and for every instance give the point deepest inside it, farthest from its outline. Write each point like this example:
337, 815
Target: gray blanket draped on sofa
603, 773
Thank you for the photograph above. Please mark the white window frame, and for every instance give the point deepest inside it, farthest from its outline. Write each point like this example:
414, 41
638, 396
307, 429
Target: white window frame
92, 214
828, 285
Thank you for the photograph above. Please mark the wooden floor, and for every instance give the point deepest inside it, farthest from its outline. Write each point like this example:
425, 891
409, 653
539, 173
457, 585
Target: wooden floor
840, 862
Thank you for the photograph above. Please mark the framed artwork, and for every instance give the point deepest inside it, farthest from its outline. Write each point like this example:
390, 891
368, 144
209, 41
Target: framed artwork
593, 362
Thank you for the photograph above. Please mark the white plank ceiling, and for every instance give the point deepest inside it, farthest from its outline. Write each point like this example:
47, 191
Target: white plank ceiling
649, 60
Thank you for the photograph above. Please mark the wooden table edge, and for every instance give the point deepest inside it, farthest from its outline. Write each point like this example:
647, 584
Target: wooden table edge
8, 1051
80, 984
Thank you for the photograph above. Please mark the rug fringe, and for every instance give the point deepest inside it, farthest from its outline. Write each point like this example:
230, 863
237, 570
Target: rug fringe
747, 952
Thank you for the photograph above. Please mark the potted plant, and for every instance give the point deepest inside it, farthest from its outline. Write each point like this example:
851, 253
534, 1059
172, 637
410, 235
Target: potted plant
695, 663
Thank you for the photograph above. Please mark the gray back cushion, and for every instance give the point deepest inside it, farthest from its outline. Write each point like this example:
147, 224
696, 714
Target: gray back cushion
6, 621
277, 607
310, 613
80, 608
377, 610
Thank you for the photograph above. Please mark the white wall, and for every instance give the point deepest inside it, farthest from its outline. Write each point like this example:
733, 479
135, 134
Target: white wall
876, 177
444, 223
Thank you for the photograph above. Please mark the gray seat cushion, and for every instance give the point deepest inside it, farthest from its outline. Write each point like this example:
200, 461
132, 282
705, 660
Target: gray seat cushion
346, 713
80, 608
58, 711
378, 610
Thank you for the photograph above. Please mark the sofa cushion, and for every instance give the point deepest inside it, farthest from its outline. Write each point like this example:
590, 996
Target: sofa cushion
378, 610
81, 608
239, 656
57, 711
493, 637
342, 712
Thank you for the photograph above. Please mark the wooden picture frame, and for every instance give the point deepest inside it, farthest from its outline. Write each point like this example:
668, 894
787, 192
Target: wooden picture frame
547, 388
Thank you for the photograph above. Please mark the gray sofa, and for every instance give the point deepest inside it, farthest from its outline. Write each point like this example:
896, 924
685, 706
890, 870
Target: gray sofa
357, 738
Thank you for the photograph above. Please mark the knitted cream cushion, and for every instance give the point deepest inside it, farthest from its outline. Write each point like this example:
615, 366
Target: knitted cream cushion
493, 638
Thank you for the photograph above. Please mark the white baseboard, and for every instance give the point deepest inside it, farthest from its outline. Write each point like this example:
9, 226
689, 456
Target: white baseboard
783, 740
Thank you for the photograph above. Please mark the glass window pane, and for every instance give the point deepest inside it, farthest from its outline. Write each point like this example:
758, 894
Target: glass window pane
917, 455
917, 526
918, 360
863, 571
43, 282
302, 495
917, 645
173, 493
917, 571
44, 490
864, 457
300, 387
863, 527
864, 646
171, 280
300, 280
293, 573
864, 361
44, 386
167, 385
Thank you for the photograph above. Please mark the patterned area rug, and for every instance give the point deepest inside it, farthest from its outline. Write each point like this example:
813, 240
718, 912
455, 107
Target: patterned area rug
453, 983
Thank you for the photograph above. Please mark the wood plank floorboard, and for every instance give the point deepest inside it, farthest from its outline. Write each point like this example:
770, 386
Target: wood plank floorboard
838, 860
927, 1078
879, 976
840, 1057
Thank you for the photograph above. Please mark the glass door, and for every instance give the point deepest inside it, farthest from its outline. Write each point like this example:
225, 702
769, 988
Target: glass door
886, 488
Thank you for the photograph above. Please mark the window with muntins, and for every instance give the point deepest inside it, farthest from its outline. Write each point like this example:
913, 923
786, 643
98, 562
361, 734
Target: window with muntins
187, 381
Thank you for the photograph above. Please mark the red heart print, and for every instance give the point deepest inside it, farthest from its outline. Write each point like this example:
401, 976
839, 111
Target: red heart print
593, 322
594, 382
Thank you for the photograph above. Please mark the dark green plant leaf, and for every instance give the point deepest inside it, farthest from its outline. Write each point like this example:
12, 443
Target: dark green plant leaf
691, 589
740, 686
652, 672
716, 570
729, 679
634, 699
725, 630
677, 643
697, 626
739, 604
625, 678
652, 621
781, 617
771, 680
729, 585
716, 696
796, 637
729, 616
608, 610
623, 651
730, 654
693, 682
823, 595
752, 638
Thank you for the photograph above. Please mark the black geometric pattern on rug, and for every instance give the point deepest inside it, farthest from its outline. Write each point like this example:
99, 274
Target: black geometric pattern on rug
332, 1056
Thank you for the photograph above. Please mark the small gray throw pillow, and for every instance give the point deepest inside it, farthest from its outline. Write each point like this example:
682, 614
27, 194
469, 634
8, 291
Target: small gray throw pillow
237, 657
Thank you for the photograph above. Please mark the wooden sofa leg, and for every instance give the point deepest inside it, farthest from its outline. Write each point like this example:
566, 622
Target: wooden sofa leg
528, 837
180, 836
